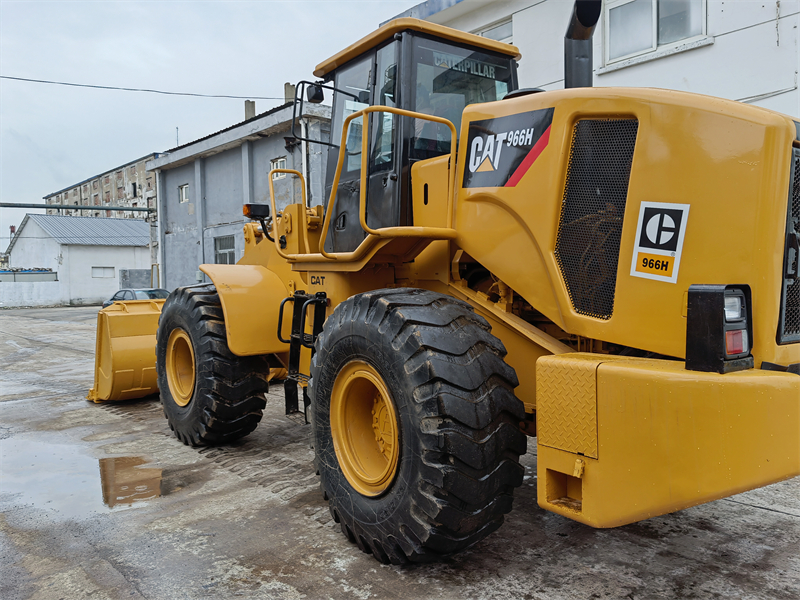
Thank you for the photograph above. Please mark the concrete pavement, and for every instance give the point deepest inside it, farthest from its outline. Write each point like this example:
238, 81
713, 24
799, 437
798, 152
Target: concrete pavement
101, 501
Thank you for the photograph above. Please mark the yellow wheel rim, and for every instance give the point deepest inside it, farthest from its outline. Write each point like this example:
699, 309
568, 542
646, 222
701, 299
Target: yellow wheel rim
180, 367
364, 428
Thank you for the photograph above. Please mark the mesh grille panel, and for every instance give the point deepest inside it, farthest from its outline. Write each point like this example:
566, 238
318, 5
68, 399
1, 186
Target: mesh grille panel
791, 322
791, 295
590, 228
796, 188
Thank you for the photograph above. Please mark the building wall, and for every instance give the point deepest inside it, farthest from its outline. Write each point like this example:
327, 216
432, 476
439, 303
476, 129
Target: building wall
73, 265
219, 185
15, 294
128, 185
84, 288
179, 223
35, 248
750, 51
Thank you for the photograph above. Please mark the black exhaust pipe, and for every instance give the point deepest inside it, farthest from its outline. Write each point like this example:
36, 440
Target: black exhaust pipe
578, 43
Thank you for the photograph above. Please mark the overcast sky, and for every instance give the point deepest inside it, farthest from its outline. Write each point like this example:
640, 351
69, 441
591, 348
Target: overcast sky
54, 136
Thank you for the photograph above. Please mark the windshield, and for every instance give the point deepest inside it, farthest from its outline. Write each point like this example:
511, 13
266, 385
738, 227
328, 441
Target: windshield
447, 79
151, 294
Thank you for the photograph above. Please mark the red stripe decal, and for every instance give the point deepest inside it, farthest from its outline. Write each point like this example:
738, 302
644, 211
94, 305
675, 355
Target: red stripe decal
530, 159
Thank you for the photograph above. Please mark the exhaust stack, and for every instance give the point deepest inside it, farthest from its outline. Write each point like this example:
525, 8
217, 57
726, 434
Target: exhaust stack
578, 43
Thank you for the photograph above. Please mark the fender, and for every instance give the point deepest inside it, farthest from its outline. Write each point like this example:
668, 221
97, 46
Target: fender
250, 296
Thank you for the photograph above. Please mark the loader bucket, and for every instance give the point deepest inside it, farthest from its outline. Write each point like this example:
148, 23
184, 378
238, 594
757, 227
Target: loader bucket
125, 352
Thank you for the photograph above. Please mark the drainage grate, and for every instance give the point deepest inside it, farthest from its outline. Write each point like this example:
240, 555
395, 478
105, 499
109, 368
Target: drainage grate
592, 211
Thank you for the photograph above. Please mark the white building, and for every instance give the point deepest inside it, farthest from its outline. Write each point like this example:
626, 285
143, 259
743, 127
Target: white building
744, 50
84, 253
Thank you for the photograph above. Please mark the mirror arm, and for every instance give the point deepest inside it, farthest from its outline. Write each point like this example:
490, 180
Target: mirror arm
301, 88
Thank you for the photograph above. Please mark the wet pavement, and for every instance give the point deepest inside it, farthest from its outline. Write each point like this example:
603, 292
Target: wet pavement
100, 501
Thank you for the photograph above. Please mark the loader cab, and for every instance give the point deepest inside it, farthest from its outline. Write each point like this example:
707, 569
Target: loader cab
416, 66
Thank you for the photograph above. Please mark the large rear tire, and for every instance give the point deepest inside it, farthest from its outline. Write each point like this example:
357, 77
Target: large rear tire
415, 424
210, 396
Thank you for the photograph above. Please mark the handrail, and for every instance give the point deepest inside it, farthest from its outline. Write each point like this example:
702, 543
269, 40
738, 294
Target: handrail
281, 253
362, 208
373, 234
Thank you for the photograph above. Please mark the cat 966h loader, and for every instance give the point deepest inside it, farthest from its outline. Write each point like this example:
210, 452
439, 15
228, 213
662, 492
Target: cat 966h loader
613, 271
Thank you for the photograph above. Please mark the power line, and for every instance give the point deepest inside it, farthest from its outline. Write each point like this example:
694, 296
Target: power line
123, 89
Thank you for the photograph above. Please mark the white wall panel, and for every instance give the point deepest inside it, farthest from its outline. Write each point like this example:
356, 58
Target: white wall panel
539, 34
788, 104
725, 16
748, 58
738, 65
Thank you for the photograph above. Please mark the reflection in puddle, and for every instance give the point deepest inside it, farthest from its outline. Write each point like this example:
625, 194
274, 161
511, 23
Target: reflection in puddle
123, 483
63, 479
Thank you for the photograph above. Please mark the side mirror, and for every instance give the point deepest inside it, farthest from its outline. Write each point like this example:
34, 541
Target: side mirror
315, 94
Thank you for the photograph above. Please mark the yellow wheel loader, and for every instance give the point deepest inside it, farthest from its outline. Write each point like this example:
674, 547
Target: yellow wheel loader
612, 271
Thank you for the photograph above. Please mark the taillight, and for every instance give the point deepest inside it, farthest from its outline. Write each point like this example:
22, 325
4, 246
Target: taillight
718, 329
736, 342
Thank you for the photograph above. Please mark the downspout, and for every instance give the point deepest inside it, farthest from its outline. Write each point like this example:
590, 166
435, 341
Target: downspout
160, 229
578, 60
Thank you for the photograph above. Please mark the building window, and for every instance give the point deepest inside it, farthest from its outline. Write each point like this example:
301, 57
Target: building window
278, 163
94, 184
133, 189
183, 193
224, 250
501, 32
102, 272
106, 180
635, 27
96, 199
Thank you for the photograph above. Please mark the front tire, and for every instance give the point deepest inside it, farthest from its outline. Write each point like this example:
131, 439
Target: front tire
210, 396
415, 424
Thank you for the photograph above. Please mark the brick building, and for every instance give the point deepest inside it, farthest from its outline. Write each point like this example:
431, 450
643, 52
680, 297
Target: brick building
127, 185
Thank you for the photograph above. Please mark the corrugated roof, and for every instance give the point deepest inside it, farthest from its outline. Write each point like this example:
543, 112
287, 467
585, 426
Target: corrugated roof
93, 231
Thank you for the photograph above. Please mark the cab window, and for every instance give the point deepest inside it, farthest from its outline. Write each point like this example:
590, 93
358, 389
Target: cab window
354, 81
448, 78
385, 95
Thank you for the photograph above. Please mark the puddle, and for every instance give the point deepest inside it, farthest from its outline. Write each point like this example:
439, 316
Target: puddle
123, 483
69, 483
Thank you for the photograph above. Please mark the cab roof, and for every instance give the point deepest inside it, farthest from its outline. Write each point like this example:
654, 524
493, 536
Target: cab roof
396, 26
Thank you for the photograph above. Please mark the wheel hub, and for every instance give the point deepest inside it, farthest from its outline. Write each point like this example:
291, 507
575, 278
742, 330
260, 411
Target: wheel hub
180, 367
364, 428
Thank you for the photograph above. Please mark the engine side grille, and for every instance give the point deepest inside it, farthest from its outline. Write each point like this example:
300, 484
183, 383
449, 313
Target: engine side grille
789, 326
592, 211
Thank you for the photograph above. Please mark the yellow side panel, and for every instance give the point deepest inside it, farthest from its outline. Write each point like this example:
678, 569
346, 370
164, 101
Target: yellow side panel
669, 439
125, 351
250, 296
566, 401
729, 162
430, 205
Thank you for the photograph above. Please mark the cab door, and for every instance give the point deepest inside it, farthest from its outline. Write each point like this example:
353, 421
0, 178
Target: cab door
353, 83
383, 202
369, 80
